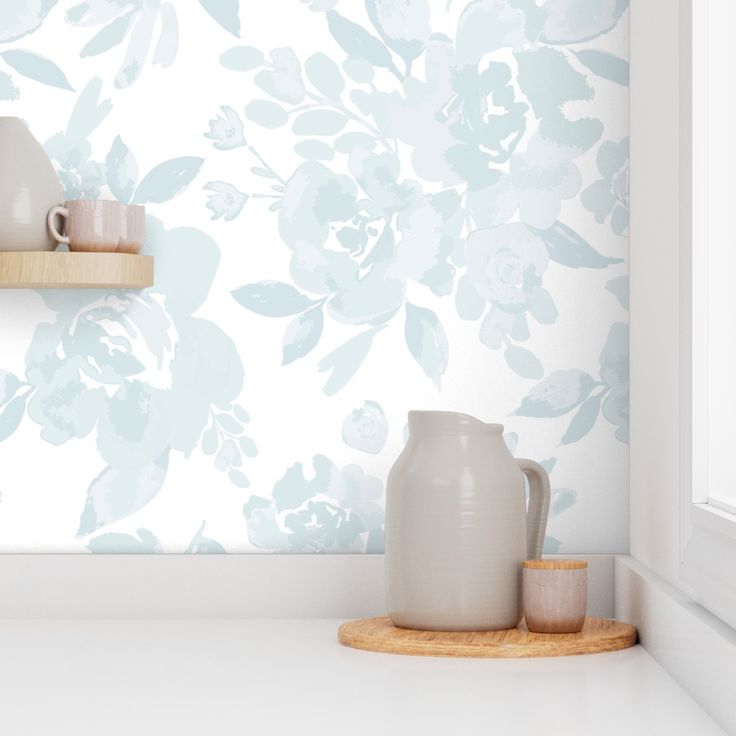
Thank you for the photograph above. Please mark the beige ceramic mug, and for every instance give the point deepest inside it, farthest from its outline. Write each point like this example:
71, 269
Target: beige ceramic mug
90, 225
132, 228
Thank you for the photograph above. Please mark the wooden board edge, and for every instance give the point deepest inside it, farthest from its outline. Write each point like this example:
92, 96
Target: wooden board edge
357, 640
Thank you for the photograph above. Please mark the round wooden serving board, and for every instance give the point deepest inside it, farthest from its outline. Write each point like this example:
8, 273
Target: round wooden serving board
380, 635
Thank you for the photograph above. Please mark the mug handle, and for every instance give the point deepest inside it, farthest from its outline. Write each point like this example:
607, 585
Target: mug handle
536, 515
50, 220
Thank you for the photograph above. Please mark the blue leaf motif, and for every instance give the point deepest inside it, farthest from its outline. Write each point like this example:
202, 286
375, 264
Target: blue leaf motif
313, 150
11, 417
583, 420
356, 41
88, 112
225, 12
242, 58
267, 114
116, 543
562, 499
237, 478
557, 394
119, 492
272, 299
229, 424
8, 90
567, 247
469, 303
346, 142
426, 340
109, 37
248, 447
542, 306
605, 65
201, 544
167, 180
168, 40
210, 442
9, 384
324, 74
344, 361
302, 335
619, 287
36, 67
523, 362
319, 122
122, 170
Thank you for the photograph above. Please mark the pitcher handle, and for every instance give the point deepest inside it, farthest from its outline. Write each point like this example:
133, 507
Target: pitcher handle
51, 222
536, 515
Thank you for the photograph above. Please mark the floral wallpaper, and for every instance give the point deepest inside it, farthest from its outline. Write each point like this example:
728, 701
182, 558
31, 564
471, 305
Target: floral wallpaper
356, 208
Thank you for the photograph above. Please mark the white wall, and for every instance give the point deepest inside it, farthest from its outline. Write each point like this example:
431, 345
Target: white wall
655, 284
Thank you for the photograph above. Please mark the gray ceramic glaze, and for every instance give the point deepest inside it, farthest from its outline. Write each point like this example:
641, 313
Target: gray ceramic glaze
457, 529
29, 188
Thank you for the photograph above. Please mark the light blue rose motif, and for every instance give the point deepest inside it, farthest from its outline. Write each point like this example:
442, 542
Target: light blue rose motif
474, 133
144, 373
226, 130
338, 510
366, 428
313, 199
226, 201
543, 176
609, 195
501, 261
462, 121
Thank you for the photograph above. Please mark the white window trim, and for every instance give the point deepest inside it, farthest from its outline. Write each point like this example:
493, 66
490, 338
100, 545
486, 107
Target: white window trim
707, 533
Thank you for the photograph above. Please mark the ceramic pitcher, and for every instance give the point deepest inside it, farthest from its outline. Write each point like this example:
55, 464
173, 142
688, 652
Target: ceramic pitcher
457, 526
29, 187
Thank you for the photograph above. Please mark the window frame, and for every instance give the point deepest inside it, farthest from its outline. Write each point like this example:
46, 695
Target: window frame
707, 529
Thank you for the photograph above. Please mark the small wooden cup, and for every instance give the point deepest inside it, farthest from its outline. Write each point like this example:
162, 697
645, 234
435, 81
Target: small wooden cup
555, 595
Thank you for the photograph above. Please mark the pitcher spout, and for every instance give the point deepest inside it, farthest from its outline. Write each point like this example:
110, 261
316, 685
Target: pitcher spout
449, 422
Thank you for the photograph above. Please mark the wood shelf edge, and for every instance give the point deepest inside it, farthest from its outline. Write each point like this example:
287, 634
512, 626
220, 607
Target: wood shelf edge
54, 270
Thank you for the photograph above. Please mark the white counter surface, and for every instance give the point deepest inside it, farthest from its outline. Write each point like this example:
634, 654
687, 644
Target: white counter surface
292, 677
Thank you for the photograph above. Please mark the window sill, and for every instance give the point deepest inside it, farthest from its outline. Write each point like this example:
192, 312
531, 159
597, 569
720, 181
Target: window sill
695, 647
704, 567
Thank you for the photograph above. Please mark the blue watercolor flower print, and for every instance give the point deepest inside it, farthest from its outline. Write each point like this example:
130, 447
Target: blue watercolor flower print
225, 201
565, 391
338, 510
608, 197
137, 369
401, 183
226, 130
366, 428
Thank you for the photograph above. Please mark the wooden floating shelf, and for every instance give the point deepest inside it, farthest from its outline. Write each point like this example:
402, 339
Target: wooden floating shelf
380, 635
52, 270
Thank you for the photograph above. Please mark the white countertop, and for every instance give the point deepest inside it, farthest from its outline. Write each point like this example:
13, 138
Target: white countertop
274, 677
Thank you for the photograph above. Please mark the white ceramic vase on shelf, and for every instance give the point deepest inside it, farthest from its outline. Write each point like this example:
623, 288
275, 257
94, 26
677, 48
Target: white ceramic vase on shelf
457, 530
29, 188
